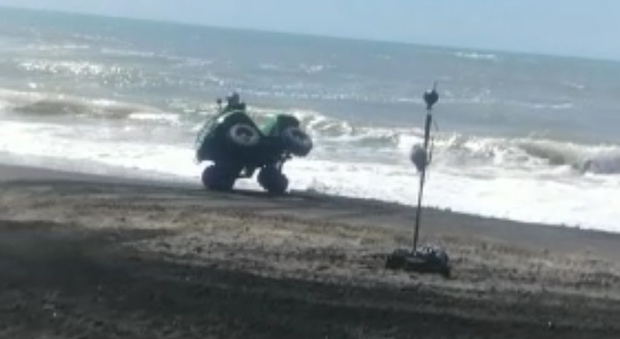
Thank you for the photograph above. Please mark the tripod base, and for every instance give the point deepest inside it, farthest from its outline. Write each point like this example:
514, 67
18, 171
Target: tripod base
427, 259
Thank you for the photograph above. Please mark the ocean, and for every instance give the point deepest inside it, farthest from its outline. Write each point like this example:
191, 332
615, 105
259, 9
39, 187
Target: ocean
524, 137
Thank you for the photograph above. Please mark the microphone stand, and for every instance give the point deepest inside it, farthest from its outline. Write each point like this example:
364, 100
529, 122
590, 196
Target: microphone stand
426, 259
430, 97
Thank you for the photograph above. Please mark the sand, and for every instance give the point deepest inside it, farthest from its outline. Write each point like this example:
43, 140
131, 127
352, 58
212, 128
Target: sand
101, 257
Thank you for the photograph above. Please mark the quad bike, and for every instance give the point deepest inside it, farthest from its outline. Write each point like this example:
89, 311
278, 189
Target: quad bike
238, 147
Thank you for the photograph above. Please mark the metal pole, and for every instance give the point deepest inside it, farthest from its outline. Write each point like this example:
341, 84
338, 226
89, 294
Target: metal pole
427, 130
431, 98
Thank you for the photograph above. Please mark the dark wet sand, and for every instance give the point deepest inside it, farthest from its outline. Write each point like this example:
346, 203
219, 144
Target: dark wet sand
98, 257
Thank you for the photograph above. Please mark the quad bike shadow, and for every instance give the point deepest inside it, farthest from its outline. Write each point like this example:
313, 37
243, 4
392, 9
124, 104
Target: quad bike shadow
238, 147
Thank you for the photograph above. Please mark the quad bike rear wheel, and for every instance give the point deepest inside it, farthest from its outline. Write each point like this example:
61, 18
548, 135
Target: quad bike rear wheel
273, 180
219, 177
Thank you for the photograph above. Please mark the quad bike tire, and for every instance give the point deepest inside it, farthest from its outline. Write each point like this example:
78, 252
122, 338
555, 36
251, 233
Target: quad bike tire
273, 181
243, 135
297, 141
219, 177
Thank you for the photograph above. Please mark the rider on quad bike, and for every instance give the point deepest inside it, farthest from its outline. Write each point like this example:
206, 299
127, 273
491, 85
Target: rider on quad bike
234, 103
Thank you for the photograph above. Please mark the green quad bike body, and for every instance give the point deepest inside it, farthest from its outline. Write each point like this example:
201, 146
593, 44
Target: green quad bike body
238, 147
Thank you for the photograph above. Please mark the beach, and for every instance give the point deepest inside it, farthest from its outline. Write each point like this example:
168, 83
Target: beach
106, 231
85, 256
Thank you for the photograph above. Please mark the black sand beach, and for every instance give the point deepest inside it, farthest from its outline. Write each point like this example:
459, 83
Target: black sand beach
99, 257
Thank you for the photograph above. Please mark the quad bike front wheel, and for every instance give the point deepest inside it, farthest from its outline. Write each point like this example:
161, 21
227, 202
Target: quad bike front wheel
219, 177
273, 180
297, 141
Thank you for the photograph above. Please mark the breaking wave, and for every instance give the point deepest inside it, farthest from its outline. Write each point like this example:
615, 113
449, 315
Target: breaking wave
451, 149
50, 105
599, 159
455, 149
531, 153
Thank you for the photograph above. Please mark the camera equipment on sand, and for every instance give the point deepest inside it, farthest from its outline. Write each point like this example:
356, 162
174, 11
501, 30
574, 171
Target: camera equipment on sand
426, 258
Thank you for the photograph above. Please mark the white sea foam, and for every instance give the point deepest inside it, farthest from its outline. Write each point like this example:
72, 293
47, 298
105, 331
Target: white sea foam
156, 117
590, 201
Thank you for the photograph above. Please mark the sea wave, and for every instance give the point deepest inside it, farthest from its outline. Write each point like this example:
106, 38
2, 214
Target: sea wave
476, 56
462, 149
451, 149
50, 105
529, 153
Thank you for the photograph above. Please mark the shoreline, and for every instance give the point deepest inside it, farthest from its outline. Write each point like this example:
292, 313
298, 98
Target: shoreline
115, 173
25, 173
